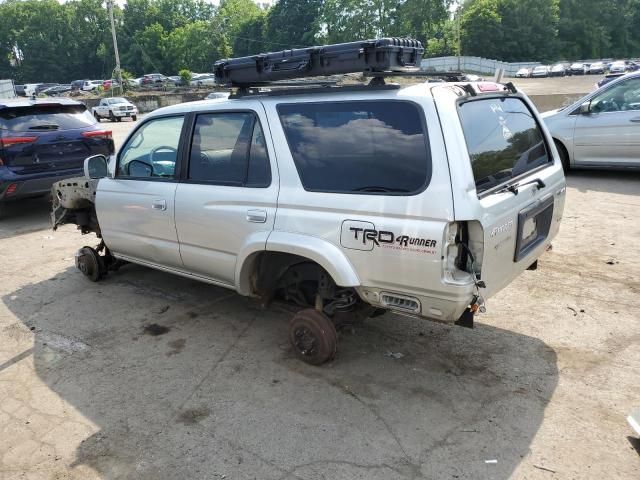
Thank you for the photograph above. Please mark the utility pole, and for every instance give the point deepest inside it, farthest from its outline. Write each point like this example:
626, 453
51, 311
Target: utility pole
458, 33
115, 45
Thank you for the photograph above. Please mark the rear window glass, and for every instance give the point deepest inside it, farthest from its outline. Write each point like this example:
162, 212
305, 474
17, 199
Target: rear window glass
503, 139
358, 147
43, 118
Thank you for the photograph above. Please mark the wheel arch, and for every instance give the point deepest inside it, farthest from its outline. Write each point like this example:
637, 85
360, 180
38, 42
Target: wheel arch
563, 151
314, 249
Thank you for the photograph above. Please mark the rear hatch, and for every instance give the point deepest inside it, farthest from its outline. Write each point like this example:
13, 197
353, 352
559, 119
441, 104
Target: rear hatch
515, 209
49, 137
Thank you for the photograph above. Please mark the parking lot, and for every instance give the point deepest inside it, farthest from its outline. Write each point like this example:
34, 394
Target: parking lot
148, 375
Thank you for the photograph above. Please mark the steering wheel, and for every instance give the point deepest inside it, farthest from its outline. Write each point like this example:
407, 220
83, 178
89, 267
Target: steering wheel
161, 148
610, 106
163, 168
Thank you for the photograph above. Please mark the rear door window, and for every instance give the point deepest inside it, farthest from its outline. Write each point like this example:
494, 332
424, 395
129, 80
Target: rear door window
45, 118
228, 148
503, 139
375, 147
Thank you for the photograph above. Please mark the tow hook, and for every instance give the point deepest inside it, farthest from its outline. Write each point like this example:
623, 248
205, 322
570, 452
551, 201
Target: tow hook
478, 305
466, 319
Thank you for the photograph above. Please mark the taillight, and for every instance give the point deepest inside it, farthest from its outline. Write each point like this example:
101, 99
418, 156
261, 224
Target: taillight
106, 134
11, 189
9, 141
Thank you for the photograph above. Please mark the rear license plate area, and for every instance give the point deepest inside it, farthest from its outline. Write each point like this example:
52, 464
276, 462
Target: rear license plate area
534, 223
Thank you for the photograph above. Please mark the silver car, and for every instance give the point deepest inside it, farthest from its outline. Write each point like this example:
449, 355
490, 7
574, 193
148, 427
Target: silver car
602, 129
344, 202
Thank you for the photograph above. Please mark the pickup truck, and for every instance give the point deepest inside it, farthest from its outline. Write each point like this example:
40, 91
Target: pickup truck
115, 109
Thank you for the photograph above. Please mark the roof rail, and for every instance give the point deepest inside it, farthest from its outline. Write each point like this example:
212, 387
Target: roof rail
280, 89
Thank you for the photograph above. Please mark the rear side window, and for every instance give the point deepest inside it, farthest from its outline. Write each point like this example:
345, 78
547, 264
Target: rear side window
358, 147
503, 139
44, 118
229, 149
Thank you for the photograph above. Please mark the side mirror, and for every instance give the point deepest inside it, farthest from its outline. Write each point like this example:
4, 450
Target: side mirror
585, 108
138, 168
96, 166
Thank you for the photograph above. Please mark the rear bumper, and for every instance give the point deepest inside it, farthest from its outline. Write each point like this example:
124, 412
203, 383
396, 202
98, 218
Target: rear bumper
443, 306
31, 185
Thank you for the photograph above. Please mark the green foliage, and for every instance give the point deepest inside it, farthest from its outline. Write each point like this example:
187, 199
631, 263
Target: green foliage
293, 23
126, 78
185, 76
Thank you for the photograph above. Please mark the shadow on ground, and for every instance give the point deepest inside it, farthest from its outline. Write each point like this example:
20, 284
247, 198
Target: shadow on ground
185, 380
621, 183
23, 216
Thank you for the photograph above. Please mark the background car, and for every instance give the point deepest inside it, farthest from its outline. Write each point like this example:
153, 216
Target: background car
618, 67
175, 80
30, 89
595, 68
216, 95
56, 90
43, 86
203, 79
90, 85
153, 79
109, 84
632, 66
43, 141
540, 71
115, 109
577, 68
523, 73
20, 90
601, 130
77, 84
608, 78
558, 70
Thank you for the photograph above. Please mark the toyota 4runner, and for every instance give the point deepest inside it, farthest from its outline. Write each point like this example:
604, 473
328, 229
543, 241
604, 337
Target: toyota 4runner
345, 201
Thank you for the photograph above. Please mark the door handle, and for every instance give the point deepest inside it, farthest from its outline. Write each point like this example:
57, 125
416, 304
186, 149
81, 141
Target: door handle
635, 120
159, 205
257, 216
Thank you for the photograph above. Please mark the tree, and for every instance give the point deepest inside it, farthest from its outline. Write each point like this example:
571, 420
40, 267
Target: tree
349, 20
293, 23
529, 29
481, 29
510, 30
421, 19
194, 46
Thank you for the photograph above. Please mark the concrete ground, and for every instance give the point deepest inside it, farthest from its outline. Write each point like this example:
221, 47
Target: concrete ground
148, 375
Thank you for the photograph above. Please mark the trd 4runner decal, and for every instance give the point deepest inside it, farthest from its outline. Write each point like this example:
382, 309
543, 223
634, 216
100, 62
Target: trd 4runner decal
364, 236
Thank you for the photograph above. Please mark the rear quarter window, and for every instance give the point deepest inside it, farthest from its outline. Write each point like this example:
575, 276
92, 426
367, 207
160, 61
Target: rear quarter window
45, 118
504, 140
375, 147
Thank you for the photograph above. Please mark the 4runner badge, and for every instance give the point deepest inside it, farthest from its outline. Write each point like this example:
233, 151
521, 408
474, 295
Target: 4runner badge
364, 236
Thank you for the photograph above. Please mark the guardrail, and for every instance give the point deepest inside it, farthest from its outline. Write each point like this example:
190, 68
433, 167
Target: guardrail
474, 64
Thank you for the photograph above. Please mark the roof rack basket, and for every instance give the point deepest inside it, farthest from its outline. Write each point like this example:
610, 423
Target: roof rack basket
380, 55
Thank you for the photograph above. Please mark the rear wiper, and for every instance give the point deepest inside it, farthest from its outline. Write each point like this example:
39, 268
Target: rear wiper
375, 189
516, 186
50, 126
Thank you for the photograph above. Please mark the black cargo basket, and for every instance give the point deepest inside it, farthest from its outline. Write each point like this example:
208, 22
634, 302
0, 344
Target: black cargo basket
381, 55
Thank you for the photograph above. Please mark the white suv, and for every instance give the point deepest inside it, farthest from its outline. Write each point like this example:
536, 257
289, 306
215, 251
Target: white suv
346, 202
